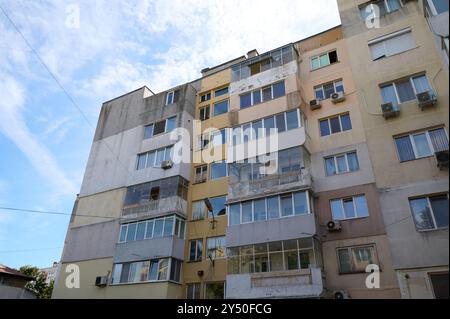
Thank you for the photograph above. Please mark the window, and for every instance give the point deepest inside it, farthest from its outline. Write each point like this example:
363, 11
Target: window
404, 90
260, 128
195, 250
165, 126
152, 228
263, 63
430, 213
437, 6
379, 8
220, 108
193, 291
218, 170
219, 138
201, 174
148, 270
198, 210
269, 208
392, 44
324, 60
339, 164
154, 158
325, 91
171, 124
356, 259
221, 92
205, 97
349, 208
265, 94
204, 113
439, 281
172, 97
284, 255
335, 124
218, 205
215, 247
159, 128
420, 145
215, 290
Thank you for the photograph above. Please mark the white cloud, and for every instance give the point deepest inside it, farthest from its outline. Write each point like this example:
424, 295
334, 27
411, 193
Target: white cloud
14, 127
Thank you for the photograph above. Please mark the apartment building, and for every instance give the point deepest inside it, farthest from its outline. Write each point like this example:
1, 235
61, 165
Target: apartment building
307, 164
126, 236
402, 87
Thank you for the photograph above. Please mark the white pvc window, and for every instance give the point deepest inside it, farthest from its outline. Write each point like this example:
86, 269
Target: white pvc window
392, 44
405, 90
349, 208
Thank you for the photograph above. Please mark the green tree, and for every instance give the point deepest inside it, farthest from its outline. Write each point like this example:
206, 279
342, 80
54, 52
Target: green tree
38, 286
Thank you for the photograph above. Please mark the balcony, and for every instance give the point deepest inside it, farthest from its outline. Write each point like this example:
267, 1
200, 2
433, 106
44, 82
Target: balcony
155, 208
304, 283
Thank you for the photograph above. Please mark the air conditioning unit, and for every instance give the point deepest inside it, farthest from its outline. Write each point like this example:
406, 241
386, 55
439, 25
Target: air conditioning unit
101, 281
341, 294
442, 159
167, 164
390, 110
426, 99
337, 97
314, 105
334, 226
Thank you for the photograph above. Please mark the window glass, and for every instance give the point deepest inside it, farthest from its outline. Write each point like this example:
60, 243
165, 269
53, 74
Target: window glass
278, 90
335, 125
292, 120
328, 89
150, 159
256, 97
159, 127
160, 157
349, 209
300, 203
235, 214
204, 113
287, 55
330, 166
439, 140
286, 205
333, 57
168, 226
404, 148
221, 108
153, 273
267, 93
218, 204
158, 228
361, 206
315, 64
281, 125
405, 91
246, 100
336, 209
324, 128
388, 94
123, 233
319, 94
214, 291
439, 204
362, 257
441, 6
422, 214
353, 163
394, 5
171, 124
247, 213
324, 60
140, 232
422, 147
258, 130
131, 234
149, 233
221, 92
163, 267
341, 163
345, 265
339, 86
346, 122
218, 170
260, 209
273, 210
148, 131
276, 59
142, 158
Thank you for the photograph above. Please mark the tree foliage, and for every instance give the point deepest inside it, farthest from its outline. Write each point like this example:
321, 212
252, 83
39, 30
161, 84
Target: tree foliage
38, 286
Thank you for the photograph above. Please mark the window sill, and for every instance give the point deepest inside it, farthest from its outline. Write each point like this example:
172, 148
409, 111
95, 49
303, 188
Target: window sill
253, 105
194, 261
344, 174
143, 283
350, 219
323, 67
334, 134
417, 159
425, 231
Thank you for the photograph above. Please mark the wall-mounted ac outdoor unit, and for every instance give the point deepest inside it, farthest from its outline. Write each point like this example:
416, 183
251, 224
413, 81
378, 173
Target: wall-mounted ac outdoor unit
426, 99
314, 105
101, 281
390, 110
334, 226
167, 165
337, 97
442, 159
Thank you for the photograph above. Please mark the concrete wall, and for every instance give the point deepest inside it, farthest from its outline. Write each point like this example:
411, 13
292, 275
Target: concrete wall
8, 292
149, 249
91, 241
411, 248
271, 230
416, 283
89, 270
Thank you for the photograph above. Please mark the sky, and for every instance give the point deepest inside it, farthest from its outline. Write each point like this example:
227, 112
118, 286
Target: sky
59, 60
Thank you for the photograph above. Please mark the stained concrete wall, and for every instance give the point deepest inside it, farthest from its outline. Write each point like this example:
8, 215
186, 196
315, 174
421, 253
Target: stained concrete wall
271, 230
149, 249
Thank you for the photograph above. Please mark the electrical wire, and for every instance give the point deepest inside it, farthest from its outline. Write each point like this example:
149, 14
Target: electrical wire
13, 209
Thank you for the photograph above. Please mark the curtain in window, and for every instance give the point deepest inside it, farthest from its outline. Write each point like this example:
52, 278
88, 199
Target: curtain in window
405, 149
330, 165
439, 140
421, 84
353, 163
388, 94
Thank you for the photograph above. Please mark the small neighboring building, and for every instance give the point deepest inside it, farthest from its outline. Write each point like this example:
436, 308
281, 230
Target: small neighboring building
50, 272
12, 284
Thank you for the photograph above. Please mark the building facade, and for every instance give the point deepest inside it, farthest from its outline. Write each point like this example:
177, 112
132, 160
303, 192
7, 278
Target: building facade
402, 86
300, 182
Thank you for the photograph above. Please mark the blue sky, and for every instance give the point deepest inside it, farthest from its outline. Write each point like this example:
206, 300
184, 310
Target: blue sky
116, 47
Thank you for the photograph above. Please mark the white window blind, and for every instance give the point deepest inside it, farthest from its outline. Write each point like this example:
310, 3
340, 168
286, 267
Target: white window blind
392, 44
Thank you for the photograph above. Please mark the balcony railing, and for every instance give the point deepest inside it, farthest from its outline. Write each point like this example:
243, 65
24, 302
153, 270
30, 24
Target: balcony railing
174, 204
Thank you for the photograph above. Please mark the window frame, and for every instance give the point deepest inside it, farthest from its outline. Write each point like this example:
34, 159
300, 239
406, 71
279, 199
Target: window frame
387, 8
153, 165
260, 92
170, 97
318, 58
387, 37
413, 143
166, 121
207, 113
321, 87
339, 116
226, 89
430, 207
214, 256
207, 96
204, 169
411, 81
152, 221
219, 102
349, 250
197, 258
334, 157
211, 170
